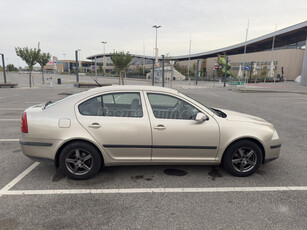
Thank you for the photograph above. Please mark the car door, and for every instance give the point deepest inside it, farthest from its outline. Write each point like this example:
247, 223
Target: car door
119, 122
177, 137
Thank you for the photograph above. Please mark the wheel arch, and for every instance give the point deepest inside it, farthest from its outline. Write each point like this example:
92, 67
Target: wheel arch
257, 142
57, 155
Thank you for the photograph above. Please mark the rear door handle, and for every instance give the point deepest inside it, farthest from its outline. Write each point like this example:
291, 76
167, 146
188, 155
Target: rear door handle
94, 125
160, 127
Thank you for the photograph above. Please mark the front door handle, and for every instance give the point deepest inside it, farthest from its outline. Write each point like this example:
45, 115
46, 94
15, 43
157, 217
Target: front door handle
94, 125
160, 127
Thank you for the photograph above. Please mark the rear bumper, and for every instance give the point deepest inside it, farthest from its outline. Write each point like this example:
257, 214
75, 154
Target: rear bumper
35, 143
40, 149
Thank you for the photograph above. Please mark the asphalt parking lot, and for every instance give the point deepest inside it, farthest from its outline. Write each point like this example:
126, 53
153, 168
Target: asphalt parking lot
37, 196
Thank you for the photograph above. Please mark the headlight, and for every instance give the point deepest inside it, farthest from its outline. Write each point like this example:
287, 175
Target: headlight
275, 136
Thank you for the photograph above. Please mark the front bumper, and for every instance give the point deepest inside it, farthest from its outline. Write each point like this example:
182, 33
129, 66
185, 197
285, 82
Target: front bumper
272, 150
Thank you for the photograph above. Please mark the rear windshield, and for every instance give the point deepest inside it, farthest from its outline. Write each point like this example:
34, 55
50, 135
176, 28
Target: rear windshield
64, 99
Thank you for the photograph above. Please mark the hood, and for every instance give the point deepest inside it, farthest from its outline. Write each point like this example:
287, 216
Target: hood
242, 117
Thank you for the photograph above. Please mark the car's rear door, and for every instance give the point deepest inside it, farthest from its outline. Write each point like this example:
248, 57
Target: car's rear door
119, 122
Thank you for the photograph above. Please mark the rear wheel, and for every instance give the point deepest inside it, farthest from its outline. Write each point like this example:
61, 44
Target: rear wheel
80, 160
243, 158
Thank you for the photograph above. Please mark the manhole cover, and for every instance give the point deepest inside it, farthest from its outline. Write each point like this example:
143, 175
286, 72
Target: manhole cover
175, 172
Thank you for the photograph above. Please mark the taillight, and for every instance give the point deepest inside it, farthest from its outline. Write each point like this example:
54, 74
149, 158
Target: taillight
24, 123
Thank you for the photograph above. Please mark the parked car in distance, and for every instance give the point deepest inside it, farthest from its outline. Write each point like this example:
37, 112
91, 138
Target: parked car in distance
144, 125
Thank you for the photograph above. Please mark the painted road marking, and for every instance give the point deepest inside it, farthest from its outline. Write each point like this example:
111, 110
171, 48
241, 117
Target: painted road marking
10, 119
152, 190
12, 109
18, 178
9, 140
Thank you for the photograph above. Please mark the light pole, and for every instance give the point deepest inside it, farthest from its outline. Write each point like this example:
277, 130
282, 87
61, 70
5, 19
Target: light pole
3, 64
156, 48
172, 73
189, 59
77, 66
104, 57
64, 62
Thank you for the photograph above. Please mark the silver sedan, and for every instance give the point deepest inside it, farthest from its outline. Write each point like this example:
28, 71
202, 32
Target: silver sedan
138, 125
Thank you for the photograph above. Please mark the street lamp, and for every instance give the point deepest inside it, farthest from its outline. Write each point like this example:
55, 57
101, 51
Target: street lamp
104, 57
77, 67
3, 64
156, 62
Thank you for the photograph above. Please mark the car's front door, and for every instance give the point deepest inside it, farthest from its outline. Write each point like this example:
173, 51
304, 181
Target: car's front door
119, 122
177, 137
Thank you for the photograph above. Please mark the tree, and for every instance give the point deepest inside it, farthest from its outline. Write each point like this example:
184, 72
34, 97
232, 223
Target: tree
29, 56
42, 60
11, 67
121, 62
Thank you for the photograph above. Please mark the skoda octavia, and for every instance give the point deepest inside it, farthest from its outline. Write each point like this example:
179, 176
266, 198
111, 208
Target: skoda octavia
144, 125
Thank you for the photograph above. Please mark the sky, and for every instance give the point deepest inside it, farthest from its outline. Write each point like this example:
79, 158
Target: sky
62, 26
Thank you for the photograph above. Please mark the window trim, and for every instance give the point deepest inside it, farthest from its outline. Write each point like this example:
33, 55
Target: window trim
112, 93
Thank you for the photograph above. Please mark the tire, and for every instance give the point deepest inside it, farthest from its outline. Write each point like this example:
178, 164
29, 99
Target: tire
242, 158
80, 160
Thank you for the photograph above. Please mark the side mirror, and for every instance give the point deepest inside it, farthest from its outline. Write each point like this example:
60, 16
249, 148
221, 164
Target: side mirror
200, 117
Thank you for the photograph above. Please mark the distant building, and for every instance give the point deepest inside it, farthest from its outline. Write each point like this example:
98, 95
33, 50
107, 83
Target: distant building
285, 48
67, 66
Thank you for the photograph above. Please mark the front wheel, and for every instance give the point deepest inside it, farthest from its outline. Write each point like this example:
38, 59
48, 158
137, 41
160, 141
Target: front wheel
243, 158
80, 160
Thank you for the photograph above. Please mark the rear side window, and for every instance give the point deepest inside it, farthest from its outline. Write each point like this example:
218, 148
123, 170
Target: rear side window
113, 105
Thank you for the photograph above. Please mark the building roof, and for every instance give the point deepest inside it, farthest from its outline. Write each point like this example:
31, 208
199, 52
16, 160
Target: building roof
287, 36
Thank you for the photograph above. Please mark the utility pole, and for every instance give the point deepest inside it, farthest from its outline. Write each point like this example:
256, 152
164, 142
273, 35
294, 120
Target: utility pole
3, 64
189, 60
226, 69
64, 62
96, 67
196, 72
156, 47
77, 67
245, 51
143, 58
250, 74
162, 70
153, 72
104, 58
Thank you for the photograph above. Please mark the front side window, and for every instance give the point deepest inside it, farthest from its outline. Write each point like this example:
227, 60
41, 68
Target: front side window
169, 107
113, 105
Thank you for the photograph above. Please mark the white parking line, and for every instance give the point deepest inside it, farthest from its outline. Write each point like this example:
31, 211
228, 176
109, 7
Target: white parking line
10, 119
12, 109
153, 190
18, 178
9, 140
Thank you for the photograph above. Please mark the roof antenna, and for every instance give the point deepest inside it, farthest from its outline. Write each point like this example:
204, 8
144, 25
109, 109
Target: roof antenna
95, 81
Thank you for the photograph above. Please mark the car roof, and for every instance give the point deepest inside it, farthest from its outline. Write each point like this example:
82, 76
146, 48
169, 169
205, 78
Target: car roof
131, 87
